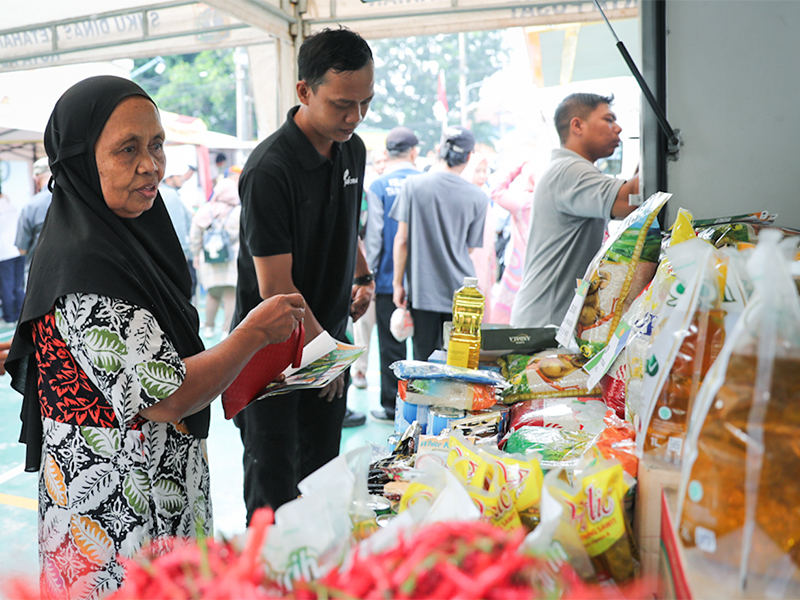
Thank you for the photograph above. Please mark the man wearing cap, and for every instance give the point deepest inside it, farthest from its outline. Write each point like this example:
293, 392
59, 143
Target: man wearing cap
440, 218
31, 218
401, 153
174, 179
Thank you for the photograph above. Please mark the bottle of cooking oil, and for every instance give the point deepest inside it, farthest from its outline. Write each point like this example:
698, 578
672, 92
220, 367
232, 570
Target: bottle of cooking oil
465, 338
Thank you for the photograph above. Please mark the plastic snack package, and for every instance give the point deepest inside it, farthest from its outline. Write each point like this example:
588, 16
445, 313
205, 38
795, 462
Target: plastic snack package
524, 478
559, 413
420, 369
547, 373
556, 447
618, 441
619, 271
450, 393
739, 487
556, 537
596, 507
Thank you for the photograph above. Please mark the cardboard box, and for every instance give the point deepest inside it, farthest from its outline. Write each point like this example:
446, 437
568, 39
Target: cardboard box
505, 339
652, 479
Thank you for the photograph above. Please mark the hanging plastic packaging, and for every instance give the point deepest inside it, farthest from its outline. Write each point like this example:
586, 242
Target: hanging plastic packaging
739, 488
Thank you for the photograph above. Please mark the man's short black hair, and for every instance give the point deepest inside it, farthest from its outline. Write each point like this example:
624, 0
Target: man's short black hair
337, 50
578, 105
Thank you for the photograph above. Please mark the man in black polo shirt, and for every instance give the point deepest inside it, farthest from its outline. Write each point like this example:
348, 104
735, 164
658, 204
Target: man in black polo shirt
301, 195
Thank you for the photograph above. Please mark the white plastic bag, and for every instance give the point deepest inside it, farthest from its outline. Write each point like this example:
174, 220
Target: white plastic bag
401, 324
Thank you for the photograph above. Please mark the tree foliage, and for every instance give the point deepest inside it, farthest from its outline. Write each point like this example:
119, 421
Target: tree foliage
406, 74
197, 85
406, 79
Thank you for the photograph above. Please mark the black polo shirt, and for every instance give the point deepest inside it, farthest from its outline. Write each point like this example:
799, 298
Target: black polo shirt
296, 201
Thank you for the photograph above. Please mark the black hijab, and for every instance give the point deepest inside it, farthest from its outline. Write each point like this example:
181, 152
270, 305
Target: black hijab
85, 247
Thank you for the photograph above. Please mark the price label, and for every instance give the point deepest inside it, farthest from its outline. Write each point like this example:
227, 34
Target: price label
566, 333
602, 361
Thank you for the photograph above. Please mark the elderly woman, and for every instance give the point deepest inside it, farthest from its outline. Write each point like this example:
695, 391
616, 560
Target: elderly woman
115, 379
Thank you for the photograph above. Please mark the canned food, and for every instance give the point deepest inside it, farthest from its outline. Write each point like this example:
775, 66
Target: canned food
441, 417
379, 504
383, 520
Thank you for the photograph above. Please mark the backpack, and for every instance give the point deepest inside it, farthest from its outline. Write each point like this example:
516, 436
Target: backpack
217, 247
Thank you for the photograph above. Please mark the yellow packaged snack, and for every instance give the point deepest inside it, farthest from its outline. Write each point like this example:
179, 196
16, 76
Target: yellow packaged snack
596, 505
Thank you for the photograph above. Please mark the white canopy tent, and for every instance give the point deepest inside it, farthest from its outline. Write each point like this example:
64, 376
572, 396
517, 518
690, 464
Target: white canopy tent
39, 33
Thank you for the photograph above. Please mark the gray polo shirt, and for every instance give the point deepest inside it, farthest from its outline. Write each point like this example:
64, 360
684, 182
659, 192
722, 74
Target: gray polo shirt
571, 207
445, 215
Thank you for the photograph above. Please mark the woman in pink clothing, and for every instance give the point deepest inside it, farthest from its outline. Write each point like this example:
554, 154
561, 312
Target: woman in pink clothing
484, 259
516, 196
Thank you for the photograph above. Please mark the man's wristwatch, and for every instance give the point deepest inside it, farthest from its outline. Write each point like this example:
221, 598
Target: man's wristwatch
364, 279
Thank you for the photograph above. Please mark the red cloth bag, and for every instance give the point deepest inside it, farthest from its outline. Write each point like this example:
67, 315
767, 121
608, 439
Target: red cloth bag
263, 368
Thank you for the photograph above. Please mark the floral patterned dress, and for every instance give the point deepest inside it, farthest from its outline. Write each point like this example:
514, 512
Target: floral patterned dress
110, 481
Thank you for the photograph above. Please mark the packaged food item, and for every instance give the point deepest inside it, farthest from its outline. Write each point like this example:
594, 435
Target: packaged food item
620, 270
420, 369
547, 373
733, 230
484, 426
443, 392
442, 417
684, 349
595, 507
559, 413
556, 447
524, 477
617, 440
739, 485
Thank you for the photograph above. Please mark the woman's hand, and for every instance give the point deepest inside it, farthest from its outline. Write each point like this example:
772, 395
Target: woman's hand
276, 317
4, 347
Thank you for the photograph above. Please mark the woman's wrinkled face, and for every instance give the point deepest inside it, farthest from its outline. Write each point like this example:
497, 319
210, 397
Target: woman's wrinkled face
130, 157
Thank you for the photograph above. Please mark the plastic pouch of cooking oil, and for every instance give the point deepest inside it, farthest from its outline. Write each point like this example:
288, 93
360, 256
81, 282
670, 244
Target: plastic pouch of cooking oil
738, 500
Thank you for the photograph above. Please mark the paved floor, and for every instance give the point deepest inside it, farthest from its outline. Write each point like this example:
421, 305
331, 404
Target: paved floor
18, 490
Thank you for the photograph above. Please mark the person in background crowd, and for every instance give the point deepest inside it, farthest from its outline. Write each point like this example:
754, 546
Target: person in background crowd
514, 195
362, 329
301, 193
12, 263
31, 218
217, 278
220, 162
178, 213
440, 218
572, 204
484, 258
115, 381
234, 173
402, 151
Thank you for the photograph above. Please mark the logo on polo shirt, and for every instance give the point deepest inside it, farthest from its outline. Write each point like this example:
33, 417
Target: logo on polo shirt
349, 180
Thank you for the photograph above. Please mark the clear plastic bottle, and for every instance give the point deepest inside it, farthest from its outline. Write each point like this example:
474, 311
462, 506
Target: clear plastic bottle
465, 338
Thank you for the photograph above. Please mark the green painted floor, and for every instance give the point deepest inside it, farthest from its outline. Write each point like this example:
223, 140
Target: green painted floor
18, 490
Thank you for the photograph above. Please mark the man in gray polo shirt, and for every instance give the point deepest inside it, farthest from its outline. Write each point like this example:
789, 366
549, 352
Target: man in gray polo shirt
572, 204
440, 218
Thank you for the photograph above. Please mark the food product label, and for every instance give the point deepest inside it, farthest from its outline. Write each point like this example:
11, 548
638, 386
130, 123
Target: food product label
458, 353
598, 509
565, 335
600, 362
705, 539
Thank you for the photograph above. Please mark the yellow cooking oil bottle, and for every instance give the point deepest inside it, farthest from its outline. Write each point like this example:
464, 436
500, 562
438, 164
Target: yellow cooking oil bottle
464, 347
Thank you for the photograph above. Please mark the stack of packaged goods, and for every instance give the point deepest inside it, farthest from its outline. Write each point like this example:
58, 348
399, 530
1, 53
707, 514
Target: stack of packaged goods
512, 472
